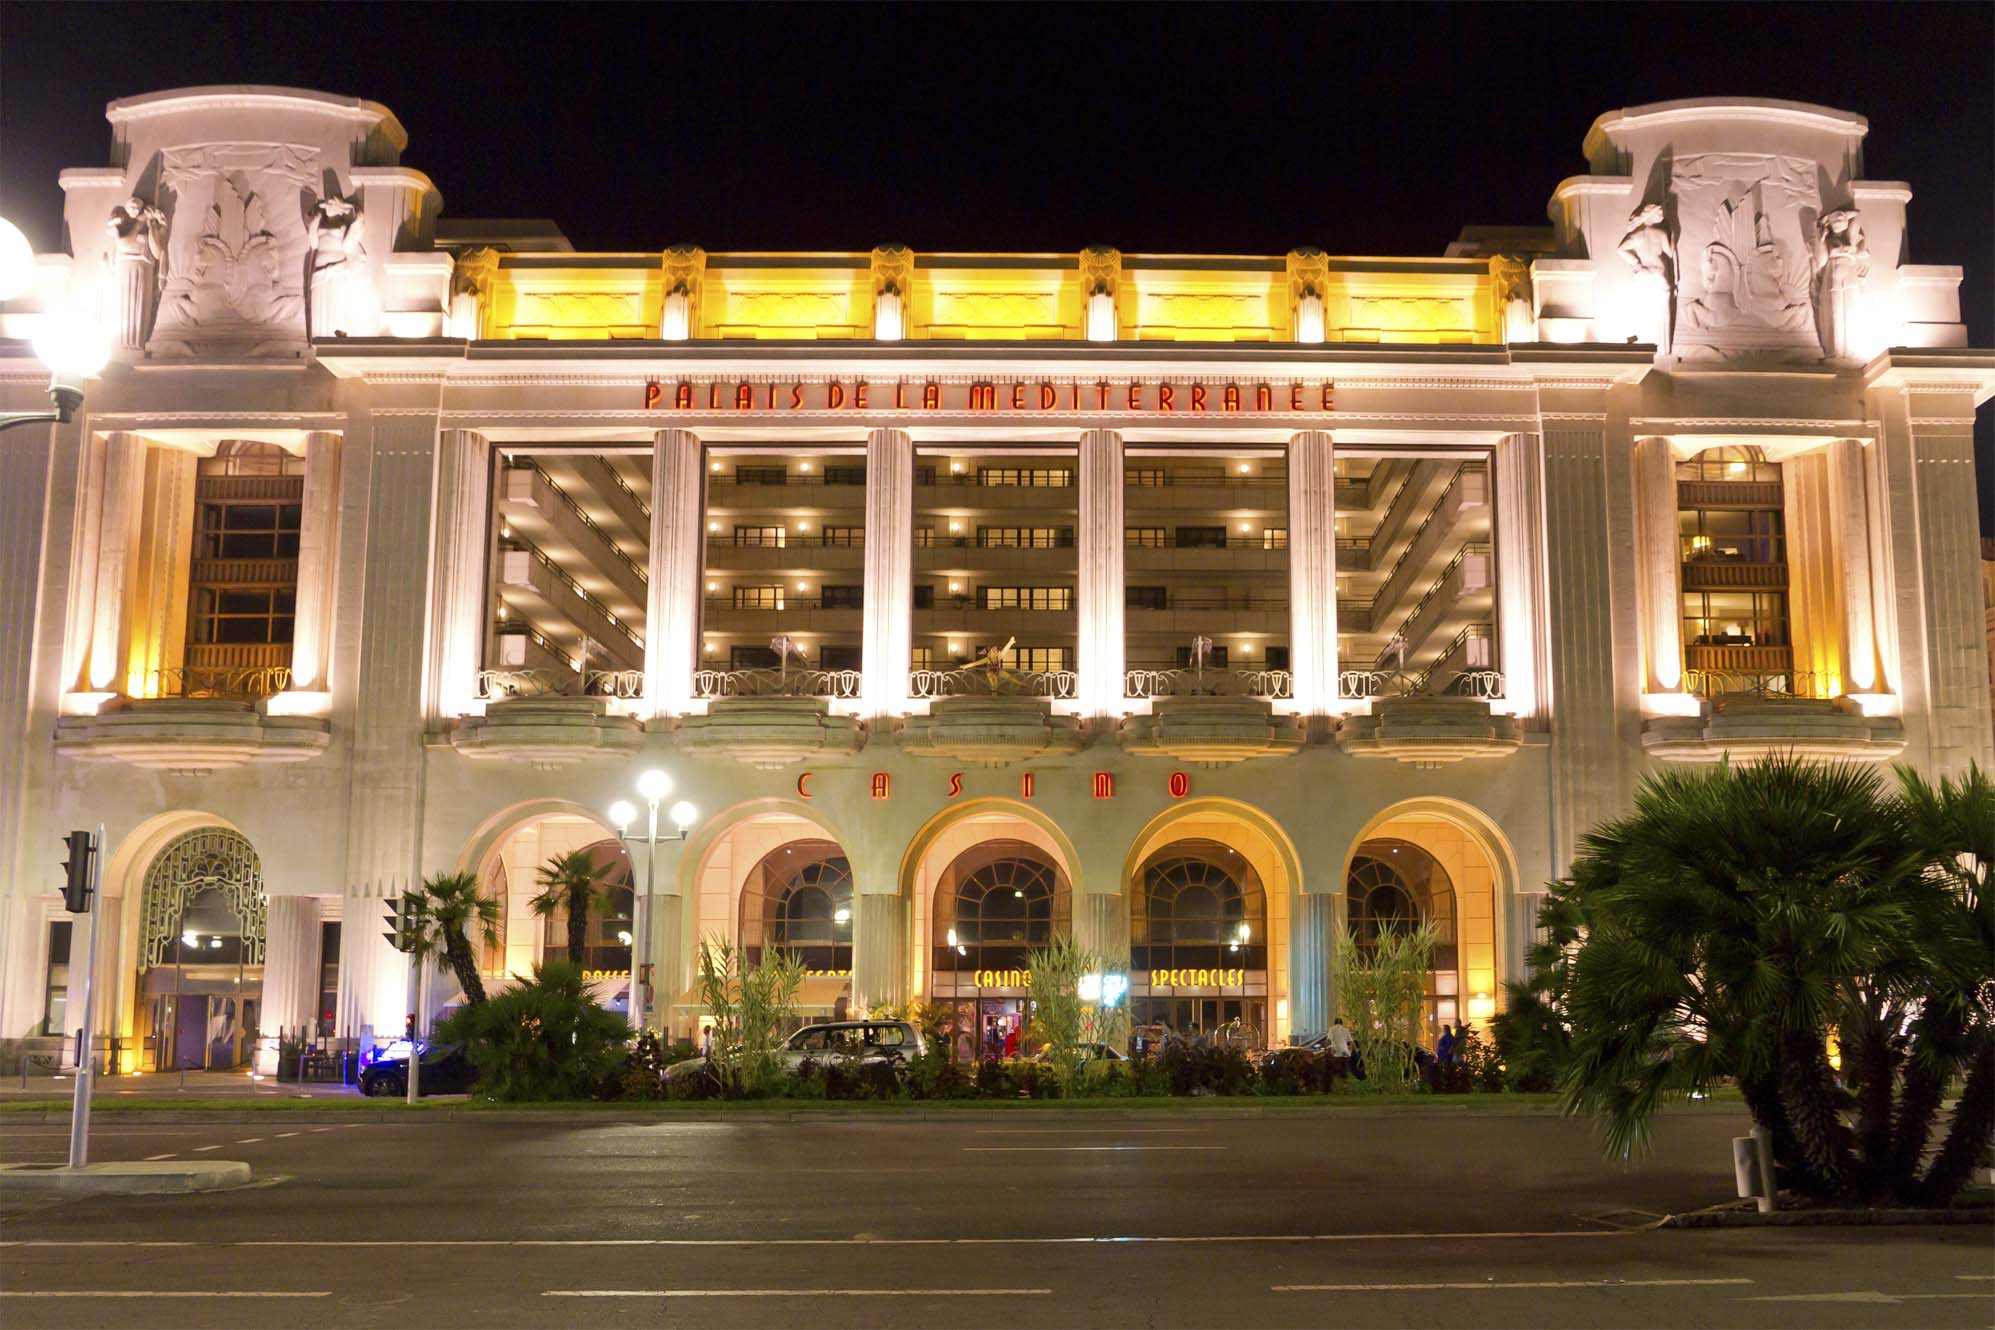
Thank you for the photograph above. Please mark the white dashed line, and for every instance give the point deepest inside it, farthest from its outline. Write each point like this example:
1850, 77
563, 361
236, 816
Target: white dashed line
153, 1159
1483, 1286
282, 1134
199, 1148
249, 1140
161, 1293
797, 1293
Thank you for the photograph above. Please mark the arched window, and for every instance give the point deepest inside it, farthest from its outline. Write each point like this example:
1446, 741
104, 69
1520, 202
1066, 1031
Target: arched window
799, 899
1395, 884
1200, 904
610, 914
994, 904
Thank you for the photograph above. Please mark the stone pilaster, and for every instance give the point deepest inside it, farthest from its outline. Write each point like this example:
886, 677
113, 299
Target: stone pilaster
1312, 935
459, 612
1312, 564
1814, 582
1098, 599
887, 619
678, 556
879, 949
155, 600
1101, 925
123, 491
318, 561
1660, 576
1849, 514
290, 972
1523, 634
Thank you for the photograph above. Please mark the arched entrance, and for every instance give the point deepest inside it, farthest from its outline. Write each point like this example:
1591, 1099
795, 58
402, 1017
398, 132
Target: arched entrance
511, 873
1442, 863
993, 904
201, 935
1198, 944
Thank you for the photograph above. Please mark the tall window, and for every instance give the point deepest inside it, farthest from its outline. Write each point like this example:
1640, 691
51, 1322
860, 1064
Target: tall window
994, 904
1395, 885
328, 1013
1731, 529
243, 582
799, 899
1025, 598
1200, 905
55, 984
607, 947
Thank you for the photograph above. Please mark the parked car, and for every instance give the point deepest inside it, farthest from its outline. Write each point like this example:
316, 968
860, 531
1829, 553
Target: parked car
445, 1070
867, 1042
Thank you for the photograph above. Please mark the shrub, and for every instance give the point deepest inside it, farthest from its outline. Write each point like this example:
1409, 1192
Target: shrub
1383, 984
644, 1070
545, 1038
751, 1005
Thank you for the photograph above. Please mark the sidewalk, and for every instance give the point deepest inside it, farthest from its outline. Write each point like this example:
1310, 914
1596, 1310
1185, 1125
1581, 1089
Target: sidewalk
168, 1085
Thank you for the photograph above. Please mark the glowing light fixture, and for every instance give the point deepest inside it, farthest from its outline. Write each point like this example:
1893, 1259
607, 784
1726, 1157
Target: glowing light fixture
17, 261
654, 784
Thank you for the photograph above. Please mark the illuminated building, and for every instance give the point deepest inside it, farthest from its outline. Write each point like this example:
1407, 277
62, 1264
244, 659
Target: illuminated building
1200, 606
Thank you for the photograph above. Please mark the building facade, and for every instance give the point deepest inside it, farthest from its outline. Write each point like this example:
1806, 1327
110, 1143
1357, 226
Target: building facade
1200, 607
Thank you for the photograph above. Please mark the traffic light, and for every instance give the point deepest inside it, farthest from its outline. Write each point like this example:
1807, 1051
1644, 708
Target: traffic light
76, 872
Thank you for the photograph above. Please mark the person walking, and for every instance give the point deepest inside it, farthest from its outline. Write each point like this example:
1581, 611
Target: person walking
1444, 1047
1339, 1039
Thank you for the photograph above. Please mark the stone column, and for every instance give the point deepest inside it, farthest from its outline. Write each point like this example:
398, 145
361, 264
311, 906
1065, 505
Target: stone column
879, 949
1523, 637
290, 972
124, 478
1098, 599
1312, 572
1814, 590
1311, 985
155, 612
678, 558
1849, 515
666, 929
459, 609
1660, 574
318, 550
888, 615
1101, 925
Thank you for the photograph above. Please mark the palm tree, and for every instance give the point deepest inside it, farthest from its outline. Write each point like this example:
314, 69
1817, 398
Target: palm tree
1722, 929
449, 907
570, 882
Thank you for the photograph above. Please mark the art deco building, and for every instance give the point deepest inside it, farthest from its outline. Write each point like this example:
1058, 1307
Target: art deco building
1199, 606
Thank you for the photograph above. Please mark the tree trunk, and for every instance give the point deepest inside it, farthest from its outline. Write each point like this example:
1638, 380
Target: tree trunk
1810, 1098
457, 951
1868, 1067
1935, 1034
1973, 1122
578, 926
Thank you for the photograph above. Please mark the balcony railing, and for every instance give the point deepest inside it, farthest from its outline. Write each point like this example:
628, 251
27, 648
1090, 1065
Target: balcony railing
236, 683
1707, 573
776, 682
1274, 685
1772, 686
1362, 684
1220, 600
985, 679
1728, 493
508, 685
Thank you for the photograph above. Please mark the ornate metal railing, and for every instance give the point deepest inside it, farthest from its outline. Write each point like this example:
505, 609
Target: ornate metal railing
791, 682
1772, 686
983, 681
1194, 682
1361, 684
1485, 684
239, 683
508, 685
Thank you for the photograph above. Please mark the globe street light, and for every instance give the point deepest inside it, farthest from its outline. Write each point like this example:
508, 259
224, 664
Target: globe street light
69, 344
652, 786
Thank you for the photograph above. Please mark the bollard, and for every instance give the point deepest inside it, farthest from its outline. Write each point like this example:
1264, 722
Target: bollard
1745, 1165
1768, 1189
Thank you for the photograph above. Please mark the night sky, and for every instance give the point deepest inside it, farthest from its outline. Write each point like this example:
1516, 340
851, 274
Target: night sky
1361, 129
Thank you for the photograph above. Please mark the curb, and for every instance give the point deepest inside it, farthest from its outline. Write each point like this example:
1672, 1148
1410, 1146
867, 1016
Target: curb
1875, 1217
128, 1178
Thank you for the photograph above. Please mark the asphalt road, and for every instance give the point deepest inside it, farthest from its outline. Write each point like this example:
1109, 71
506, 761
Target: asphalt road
1346, 1219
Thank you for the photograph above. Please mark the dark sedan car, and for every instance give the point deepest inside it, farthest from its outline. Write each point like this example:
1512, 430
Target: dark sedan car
445, 1070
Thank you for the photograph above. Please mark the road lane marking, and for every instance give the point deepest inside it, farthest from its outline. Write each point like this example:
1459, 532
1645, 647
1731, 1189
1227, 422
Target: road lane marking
249, 1140
153, 1159
1073, 1149
161, 1293
1083, 1241
1480, 1286
317, 1130
1087, 1131
282, 1134
1986, 1277
797, 1293
1868, 1296
199, 1148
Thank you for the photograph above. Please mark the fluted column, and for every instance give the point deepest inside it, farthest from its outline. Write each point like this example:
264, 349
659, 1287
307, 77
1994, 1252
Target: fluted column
318, 558
1098, 598
1660, 574
124, 477
1311, 985
290, 972
1312, 576
1101, 925
459, 610
678, 557
1523, 650
1814, 576
879, 949
888, 615
1849, 512
665, 927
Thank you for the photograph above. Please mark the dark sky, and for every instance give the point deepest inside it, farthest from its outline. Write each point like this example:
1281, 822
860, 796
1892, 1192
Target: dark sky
1363, 129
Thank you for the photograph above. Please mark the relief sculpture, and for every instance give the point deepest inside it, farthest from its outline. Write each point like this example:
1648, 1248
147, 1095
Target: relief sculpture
237, 247
1746, 223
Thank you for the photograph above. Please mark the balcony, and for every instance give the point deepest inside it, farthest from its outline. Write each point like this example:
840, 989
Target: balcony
990, 716
1719, 574
796, 557
1210, 730
198, 719
552, 718
798, 613
1741, 658
1741, 715
1431, 730
767, 732
1728, 494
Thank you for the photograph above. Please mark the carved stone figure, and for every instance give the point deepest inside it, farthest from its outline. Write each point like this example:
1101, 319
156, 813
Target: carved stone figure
893, 280
1511, 279
685, 270
138, 244
471, 290
1841, 258
338, 251
1651, 253
236, 249
1744, 219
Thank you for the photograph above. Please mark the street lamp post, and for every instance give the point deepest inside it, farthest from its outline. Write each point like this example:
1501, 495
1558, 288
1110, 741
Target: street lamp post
72, 346
652, 786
